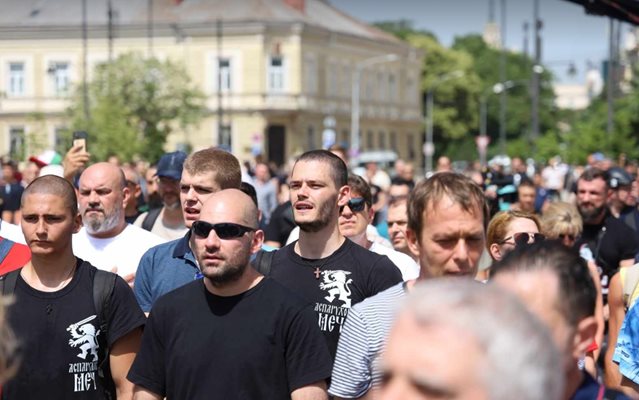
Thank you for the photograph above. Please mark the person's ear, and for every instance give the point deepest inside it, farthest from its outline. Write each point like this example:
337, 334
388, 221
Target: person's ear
258, 240
77, 223
584, 336
344, 195
126, 194
495, 251
412, 241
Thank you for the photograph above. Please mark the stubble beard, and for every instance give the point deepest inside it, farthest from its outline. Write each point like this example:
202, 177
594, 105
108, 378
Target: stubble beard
101, 225
228, 273
591, 215
323, 219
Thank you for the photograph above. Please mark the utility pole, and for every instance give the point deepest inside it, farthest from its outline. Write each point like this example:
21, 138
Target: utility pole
221, 139
85, 50
149, 26
502, 78
537, 70
609, 78
525, 47
110, 29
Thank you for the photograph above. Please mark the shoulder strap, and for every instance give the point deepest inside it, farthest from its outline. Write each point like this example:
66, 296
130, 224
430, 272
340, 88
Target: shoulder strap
8, 282
5, 248
629, 219
150, 218
103, 286
630, 282
263, 262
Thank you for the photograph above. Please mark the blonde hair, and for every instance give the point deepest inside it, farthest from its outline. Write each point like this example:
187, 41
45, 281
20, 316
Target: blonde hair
498, 225
561, 218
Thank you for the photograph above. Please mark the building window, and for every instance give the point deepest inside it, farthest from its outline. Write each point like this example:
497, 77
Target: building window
310, 138
310, 75
410, 141
346, 79
224, 137
382, 140
16, 143
16, 79
224, 77
381, 93
392, 87
276, 74
369, 140
393, 141
331, 79
60, 77
61, 140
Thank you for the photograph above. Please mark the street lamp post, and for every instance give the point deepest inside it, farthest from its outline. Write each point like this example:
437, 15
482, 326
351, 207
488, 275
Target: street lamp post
430, 147
498, 88
357, 74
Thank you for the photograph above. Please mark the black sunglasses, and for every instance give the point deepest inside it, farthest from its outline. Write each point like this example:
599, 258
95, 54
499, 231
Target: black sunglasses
525, 238
225, 230
570, 237
356, 204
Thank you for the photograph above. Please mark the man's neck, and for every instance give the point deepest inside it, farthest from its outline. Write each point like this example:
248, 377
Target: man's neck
50, 273
316, 245
172, 217
247, 281
598, 220
361, 240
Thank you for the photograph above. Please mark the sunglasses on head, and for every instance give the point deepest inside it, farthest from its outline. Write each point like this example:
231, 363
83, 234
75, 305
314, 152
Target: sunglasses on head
524, 238
356, 204
225, 230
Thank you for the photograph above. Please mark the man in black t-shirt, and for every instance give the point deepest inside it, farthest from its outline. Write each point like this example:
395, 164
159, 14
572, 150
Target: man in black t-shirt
324, 267
54, 317
232, 334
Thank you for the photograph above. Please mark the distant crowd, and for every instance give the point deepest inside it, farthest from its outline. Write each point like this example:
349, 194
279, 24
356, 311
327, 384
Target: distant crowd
200, 276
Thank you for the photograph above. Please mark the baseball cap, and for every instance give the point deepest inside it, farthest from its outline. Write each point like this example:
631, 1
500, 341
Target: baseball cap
170, 165
618, 177
49, 157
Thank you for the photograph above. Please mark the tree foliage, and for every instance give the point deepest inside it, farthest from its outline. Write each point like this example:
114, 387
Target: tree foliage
135, 103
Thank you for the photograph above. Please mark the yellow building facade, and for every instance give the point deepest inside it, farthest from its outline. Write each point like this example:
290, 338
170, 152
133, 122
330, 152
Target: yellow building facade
280, 70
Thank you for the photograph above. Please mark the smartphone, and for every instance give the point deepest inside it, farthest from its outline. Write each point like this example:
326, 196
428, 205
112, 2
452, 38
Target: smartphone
80, 139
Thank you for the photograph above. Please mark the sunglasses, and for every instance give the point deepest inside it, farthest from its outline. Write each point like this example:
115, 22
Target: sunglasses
225, 230
525, 238
570, 237
356, 204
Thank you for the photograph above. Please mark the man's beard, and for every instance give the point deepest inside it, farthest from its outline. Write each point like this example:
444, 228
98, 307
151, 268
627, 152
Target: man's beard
591, 215
324, 219
228, 273
97, 225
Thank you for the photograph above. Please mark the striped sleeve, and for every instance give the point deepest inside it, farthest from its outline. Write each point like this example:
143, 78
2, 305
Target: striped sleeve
361, 342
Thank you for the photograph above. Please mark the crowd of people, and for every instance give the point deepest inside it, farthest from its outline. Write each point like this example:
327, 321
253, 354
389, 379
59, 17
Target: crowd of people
201, 276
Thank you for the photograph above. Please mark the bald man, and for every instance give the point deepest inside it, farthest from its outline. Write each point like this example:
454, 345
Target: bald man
107, 241
211, 322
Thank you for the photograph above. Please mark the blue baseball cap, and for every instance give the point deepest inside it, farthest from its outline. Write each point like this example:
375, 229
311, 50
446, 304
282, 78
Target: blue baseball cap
170, 165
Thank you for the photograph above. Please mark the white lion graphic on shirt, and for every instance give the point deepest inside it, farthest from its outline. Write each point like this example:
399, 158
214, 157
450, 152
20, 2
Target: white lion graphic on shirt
85, 335
336, 284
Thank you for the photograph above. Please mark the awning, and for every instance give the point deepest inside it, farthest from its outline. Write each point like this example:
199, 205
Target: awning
624, 10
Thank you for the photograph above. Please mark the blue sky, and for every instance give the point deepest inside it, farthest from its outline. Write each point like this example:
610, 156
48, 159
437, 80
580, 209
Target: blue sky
568, 33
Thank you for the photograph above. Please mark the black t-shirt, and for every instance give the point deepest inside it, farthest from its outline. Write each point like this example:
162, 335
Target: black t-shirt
346, 277
58, 334
261, 344
610, 243
281, 224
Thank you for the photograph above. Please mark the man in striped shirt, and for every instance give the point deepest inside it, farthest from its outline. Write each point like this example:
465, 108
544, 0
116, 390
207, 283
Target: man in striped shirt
447, 217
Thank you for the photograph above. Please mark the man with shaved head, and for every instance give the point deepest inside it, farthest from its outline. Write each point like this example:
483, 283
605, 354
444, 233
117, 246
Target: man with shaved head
199, 337
72, 346
106, 240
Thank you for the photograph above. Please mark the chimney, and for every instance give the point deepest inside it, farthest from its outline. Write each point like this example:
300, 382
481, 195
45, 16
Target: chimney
298, 5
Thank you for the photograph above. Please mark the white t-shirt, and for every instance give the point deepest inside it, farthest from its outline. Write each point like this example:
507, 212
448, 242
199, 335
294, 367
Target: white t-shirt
407, 266
123, 251
158, 228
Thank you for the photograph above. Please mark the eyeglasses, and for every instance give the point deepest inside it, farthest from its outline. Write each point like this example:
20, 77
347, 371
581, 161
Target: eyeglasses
356, 204
226, 230
524, 238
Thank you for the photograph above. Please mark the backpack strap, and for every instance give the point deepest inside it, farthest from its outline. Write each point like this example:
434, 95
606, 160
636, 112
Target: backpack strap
8, 282
263, 262
103, 286
5, 247
630, 282
150, 218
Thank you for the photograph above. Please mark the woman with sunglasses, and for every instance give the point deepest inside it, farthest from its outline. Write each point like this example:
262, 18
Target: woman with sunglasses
562, 222
509, 229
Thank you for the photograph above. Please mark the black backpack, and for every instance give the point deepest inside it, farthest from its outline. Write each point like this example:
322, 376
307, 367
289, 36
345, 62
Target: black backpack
103, 286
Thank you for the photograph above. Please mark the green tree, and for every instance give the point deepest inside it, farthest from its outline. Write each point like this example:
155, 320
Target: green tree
134, 104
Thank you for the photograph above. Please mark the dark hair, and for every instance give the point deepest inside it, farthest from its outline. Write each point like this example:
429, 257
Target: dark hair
526, 183
590, 174
339, 172
53, 185
361, 187
249, 189
577, 294
224, 164
457, 187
